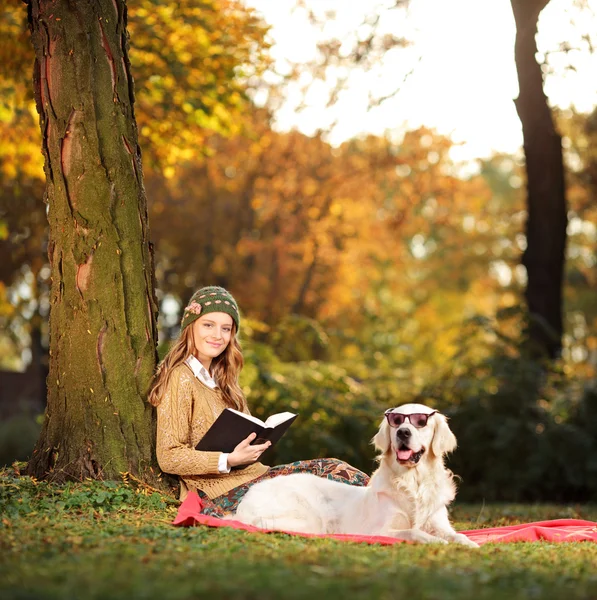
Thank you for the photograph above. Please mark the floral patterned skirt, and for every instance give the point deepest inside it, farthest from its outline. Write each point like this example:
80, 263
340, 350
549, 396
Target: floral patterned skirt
329, 468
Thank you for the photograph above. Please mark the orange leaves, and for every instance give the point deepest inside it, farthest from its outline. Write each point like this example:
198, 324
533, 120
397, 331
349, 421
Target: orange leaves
190, 61
291, 224
186, 59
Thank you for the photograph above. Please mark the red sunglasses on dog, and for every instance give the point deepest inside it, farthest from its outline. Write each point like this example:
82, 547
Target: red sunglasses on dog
417, 420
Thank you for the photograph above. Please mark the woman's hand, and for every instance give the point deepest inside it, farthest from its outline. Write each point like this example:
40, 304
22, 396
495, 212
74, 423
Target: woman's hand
245, 454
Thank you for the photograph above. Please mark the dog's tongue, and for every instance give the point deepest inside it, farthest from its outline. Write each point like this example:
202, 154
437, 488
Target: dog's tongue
404, 454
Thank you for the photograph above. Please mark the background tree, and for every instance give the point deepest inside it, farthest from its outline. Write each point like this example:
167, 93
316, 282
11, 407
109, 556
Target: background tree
546, 201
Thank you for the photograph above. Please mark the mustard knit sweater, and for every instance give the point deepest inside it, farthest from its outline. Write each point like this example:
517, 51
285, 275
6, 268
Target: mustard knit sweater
187, 410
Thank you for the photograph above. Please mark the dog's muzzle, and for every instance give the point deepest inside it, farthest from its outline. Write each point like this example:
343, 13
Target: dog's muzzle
404, 455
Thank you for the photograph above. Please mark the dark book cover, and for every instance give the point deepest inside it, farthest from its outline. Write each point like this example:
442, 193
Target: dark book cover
232, 427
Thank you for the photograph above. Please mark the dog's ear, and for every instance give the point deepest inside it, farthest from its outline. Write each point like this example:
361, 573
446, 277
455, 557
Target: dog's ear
381, 440
444, 440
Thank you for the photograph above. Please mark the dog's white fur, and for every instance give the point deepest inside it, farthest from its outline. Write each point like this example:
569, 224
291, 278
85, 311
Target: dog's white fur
404, 499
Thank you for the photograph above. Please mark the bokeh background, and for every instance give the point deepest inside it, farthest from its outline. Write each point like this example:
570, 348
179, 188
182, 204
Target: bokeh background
353, 173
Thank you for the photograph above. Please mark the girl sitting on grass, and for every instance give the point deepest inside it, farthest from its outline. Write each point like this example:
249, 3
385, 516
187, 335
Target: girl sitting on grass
194, 383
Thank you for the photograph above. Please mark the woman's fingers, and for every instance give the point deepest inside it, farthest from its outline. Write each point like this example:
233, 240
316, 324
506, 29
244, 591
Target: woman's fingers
250, 438
262, 447
247, 441
244, 453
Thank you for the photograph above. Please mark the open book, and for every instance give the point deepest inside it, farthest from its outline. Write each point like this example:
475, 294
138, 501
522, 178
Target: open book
233, 426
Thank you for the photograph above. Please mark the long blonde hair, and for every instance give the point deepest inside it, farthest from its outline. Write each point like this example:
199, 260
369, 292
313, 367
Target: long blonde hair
225, 368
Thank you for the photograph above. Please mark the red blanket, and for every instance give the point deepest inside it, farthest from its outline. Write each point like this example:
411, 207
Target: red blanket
560, 530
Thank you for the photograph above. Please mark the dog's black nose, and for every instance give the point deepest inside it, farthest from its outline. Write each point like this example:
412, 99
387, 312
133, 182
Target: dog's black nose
404, 433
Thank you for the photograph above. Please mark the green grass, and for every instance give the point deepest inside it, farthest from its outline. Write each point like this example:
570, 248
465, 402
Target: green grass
106, 540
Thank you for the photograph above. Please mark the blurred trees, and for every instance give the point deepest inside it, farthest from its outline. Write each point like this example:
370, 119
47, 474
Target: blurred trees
378, 240
580, 143
192, 61
23, 221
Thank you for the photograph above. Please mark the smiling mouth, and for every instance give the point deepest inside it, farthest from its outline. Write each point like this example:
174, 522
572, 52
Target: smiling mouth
405, 455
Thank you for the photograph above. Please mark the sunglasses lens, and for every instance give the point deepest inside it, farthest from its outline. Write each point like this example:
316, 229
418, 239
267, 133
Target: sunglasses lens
395, 420
419, 420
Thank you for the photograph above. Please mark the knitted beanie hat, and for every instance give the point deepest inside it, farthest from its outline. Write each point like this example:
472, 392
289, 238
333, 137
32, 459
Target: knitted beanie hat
210, 299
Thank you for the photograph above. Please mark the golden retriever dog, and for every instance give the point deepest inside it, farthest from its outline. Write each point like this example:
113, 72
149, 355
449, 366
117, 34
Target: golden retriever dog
406, 497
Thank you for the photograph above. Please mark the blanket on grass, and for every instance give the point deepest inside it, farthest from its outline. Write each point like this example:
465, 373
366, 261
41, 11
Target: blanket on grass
559, 530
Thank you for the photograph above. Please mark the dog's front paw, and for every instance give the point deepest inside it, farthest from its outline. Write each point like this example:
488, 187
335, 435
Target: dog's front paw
436, 540
460, 538
417, 536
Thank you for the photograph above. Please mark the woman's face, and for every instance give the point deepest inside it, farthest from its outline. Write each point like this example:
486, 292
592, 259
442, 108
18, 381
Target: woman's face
211, 334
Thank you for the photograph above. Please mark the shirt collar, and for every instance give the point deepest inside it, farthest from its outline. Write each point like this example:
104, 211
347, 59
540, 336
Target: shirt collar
200, 372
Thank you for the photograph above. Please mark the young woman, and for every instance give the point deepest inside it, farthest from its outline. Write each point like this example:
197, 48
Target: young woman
194, 383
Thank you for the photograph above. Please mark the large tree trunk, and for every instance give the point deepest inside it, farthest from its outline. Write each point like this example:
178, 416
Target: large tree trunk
103, 308
546, 224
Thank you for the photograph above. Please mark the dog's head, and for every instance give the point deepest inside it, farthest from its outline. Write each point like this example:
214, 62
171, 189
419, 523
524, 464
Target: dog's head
415, 430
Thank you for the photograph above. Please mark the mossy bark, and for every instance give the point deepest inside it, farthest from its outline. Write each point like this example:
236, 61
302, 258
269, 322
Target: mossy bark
103, 308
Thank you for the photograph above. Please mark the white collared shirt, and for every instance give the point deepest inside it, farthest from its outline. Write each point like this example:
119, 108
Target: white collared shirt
201, 373
204, 376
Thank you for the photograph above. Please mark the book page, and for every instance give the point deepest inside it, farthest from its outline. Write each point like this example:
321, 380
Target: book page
278, 418
248, 417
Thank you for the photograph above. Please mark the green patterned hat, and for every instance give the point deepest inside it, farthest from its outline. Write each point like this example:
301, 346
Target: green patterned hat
210, 299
